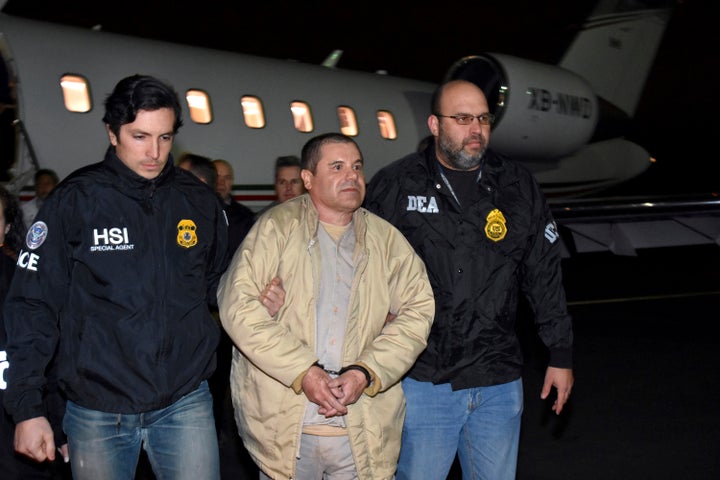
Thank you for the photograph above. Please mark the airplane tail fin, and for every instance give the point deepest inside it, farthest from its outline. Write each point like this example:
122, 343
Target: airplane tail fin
332, 59
616, 47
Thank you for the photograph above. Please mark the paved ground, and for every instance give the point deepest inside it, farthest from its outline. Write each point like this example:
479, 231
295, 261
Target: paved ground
645, 403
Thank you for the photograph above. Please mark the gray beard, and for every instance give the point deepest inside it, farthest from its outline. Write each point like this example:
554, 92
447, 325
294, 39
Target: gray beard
460, 159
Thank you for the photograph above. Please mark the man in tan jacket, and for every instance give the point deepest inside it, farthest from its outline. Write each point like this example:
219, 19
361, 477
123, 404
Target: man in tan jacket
316, 387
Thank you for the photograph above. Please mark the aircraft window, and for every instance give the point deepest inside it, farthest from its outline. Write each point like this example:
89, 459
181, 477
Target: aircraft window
253, 112
301, 116
386, 122
348, 121
76, 93
199, 106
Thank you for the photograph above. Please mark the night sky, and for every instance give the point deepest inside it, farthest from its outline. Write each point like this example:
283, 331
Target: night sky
676, 119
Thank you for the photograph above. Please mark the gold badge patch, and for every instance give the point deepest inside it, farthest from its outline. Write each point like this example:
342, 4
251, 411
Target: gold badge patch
186, 237
495, 229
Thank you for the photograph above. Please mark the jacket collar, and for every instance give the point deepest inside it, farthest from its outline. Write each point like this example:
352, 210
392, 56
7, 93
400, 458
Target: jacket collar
494, 168
313, 219
132, 183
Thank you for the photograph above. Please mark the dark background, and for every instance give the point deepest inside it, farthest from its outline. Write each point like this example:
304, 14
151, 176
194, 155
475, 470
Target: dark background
676, 118
644, 405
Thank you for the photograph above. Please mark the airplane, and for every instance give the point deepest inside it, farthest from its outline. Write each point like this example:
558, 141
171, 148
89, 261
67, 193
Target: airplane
556, 119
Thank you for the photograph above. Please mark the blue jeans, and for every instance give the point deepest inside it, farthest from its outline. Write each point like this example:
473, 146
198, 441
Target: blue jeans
180, 441
481, 424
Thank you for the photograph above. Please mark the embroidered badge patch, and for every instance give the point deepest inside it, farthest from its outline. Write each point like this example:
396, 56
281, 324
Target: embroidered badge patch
36, 235
551, 232
495, 229
187, 236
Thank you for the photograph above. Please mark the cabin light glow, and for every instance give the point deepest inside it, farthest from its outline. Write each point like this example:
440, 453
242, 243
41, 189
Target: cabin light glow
348, 121
301, 116
76, 93
252, 112
386, 123
199, 106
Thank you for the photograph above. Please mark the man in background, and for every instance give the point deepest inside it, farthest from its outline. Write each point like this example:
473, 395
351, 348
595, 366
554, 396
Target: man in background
45, 180
201, 167
240, 217
240, 220
288, 183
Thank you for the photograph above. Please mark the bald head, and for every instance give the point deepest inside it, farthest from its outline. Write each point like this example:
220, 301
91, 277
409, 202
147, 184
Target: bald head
448, 94
460, 145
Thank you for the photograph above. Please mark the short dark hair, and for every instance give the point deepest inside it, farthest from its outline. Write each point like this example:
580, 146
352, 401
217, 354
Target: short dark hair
46, 171
287, 161
202, 167
310, 155
139, 92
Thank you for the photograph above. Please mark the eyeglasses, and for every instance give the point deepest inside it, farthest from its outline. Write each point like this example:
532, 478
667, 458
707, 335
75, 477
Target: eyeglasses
483, 118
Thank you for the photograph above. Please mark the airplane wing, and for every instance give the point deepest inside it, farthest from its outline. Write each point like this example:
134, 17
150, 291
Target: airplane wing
624, 225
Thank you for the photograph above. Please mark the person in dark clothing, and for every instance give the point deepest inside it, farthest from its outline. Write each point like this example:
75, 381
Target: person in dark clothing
482, 225
240, 220
200, 166
207, 172
118, 271
240, 217
13, 465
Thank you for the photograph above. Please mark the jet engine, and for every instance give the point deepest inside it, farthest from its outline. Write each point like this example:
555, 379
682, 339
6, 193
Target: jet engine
541, 111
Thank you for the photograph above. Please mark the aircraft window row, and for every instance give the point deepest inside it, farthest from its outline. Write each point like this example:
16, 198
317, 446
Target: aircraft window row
76, 95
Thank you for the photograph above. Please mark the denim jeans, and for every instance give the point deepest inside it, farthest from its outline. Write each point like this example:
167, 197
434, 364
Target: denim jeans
180, 441
481, 424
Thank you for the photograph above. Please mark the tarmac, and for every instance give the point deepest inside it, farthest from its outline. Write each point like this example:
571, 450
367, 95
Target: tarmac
647, 378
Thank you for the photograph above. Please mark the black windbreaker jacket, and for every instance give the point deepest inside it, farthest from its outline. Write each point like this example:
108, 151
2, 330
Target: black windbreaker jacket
478, 258
121, 269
